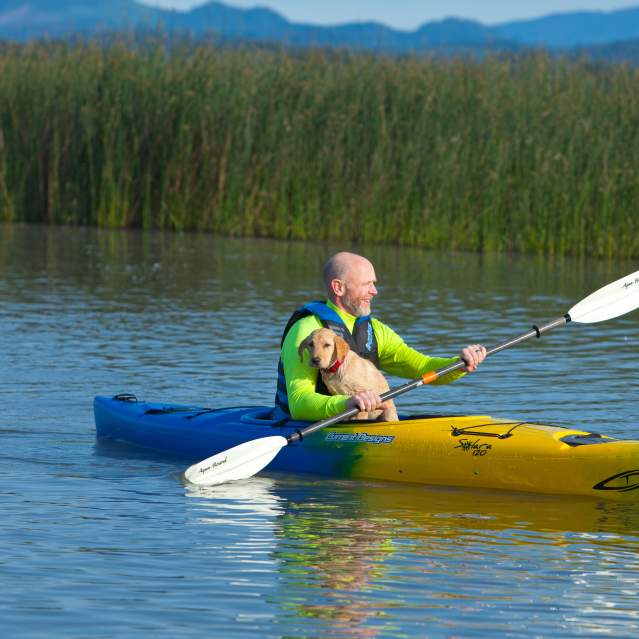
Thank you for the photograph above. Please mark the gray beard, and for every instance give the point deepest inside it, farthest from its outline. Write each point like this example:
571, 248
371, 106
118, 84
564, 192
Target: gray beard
357, 311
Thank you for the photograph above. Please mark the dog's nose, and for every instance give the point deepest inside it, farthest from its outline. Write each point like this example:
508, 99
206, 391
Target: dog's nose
315, 360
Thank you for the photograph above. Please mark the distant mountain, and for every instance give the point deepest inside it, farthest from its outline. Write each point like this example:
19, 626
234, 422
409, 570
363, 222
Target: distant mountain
584, 28
27, 19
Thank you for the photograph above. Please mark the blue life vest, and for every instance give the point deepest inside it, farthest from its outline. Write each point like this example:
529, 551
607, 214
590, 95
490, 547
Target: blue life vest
362, 341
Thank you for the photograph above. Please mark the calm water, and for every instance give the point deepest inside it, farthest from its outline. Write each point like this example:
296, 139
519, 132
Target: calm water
110, 543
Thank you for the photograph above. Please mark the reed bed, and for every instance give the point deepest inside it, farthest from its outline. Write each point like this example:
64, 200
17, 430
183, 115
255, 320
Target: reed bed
533, 154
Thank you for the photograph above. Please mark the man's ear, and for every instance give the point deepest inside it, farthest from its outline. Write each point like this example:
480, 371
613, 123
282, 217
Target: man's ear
338, 288
341, 348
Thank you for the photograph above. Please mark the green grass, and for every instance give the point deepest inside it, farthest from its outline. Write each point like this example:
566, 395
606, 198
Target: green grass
535, 155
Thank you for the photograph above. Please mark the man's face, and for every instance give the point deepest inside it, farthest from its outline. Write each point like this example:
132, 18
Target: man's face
359, 289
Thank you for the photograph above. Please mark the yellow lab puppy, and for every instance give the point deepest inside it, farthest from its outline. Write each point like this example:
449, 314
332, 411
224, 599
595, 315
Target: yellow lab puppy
345, 372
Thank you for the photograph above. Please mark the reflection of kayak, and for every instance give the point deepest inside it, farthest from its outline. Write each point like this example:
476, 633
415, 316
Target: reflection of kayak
471, 451
425, 511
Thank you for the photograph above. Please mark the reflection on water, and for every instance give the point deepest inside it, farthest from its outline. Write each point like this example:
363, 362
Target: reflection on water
350, 555
99, 537
253, 499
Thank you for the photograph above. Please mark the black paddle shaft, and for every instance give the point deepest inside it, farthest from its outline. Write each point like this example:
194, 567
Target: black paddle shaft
536, 331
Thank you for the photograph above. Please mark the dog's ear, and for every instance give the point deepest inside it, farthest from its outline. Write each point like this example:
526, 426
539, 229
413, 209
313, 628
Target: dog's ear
341, 348
303, 345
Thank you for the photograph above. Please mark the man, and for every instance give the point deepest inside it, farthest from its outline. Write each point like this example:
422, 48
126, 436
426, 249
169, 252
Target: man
350, 280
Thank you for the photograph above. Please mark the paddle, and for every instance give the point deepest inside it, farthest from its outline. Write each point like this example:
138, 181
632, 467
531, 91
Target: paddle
249, 458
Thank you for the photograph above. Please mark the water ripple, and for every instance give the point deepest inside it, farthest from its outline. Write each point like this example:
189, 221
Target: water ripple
103, 542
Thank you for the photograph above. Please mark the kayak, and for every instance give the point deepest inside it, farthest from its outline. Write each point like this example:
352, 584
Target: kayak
473, 451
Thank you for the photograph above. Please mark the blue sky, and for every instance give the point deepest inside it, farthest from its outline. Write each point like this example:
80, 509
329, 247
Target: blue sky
409, 14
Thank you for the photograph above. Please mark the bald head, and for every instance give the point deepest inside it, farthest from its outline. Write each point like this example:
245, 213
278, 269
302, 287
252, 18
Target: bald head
341, 265
350, 282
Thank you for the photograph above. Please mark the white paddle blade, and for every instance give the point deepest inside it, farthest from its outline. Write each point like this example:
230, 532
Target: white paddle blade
239, 462
613, 300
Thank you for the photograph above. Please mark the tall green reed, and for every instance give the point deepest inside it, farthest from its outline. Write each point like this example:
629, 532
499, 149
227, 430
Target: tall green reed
534, 154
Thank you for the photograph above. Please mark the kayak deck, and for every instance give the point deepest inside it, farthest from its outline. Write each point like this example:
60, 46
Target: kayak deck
469, 451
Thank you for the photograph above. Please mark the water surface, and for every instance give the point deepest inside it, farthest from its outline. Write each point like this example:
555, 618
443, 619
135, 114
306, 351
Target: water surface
109, 542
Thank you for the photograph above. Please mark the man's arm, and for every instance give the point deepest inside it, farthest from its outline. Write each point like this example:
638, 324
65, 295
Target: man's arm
397, 358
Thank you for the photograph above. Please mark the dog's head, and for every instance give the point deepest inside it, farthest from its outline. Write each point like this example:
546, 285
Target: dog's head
324, 348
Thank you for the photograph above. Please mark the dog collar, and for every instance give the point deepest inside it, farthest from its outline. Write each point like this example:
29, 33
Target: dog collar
334, 367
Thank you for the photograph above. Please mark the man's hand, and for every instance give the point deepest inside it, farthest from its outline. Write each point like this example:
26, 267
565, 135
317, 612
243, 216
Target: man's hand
473, 356
365, 401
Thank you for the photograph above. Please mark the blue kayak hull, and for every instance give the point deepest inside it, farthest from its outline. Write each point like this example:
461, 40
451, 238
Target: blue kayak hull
194, 433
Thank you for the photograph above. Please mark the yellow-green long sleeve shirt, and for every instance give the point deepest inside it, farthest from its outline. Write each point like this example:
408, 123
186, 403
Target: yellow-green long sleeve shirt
395, 358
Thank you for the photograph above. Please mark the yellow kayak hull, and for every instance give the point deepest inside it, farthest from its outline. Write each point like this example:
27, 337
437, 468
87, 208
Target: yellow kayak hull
482, 452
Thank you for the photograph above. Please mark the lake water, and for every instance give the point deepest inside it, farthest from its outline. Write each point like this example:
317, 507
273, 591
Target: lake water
112, 543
